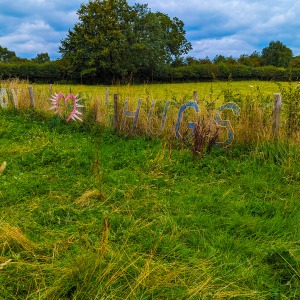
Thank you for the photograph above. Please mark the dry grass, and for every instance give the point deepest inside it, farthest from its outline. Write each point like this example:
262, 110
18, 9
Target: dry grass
252, 126
89, 196
2, 265
3, 166
13, 239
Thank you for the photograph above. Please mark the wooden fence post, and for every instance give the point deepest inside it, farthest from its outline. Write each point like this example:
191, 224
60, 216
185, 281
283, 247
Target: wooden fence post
195, 93
15, 97
277, 107
116, 111
30, 88
50, 89
106, 96
96, 109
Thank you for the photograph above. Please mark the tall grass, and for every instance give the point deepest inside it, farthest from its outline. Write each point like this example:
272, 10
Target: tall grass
156, 223
88, 214
253, 125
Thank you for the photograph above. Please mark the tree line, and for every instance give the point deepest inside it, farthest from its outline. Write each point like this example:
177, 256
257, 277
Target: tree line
115, 42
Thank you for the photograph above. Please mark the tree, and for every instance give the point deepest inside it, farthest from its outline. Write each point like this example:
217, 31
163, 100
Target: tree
6, 55
295, 62
205, 60
219, 59
277, 54
115, 40
42, 58
252, 60
191, 61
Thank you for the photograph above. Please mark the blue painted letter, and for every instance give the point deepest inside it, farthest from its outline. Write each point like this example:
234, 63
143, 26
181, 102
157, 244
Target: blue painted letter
191, 125
162, 120
226, 123
131, 114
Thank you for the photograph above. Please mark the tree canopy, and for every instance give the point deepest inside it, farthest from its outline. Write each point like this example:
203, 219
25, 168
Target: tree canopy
115, 40
42, 58
277, 54
6, 55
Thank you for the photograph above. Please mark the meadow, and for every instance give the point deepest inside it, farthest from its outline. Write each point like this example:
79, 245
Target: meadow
89, 212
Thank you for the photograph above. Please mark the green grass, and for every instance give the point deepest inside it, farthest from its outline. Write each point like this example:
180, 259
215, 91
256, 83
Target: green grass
93, 215
171, 91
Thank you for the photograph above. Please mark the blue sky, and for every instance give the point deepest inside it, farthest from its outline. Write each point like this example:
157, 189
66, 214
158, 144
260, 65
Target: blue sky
226, 27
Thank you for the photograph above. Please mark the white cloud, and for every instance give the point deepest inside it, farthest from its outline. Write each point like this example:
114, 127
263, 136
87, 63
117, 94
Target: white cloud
226, 46
37, 26
227, 27
31, 38
234, 26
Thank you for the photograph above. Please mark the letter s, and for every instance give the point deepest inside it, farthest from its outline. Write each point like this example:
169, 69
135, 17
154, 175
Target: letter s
226, 123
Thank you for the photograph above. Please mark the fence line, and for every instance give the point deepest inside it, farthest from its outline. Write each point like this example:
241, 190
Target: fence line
116, 121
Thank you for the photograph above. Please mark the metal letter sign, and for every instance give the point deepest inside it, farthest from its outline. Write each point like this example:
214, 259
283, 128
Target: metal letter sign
191, 125
226, 123
163, 120
131, 114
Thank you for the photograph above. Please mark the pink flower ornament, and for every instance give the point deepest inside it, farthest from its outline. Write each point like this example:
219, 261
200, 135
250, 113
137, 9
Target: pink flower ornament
74, 115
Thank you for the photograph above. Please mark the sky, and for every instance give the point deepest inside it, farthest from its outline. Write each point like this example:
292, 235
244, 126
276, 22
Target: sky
214, 27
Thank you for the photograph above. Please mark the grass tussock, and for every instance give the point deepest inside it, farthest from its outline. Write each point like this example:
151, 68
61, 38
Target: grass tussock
13, 239
92, 195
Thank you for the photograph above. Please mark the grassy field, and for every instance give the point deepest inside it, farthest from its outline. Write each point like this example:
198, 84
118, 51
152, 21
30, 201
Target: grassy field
90, 214
254, 98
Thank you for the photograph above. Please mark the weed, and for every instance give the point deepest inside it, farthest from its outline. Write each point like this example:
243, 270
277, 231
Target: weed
205, 137
291, 108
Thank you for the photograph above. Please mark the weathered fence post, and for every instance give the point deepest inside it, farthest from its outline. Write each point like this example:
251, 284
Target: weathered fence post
277, 108
3, 98
195, 93
116, 111
106, 96
15, 97
30, 88
50, 89
96, 109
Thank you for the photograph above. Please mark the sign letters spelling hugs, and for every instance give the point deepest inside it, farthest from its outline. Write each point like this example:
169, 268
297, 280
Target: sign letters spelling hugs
191, 125
68, 107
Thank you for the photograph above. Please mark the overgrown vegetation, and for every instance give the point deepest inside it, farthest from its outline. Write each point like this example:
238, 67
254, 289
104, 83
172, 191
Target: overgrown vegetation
91, 215
253, 124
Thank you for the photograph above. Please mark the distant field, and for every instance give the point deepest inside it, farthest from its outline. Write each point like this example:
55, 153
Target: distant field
161, 91
176, 91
